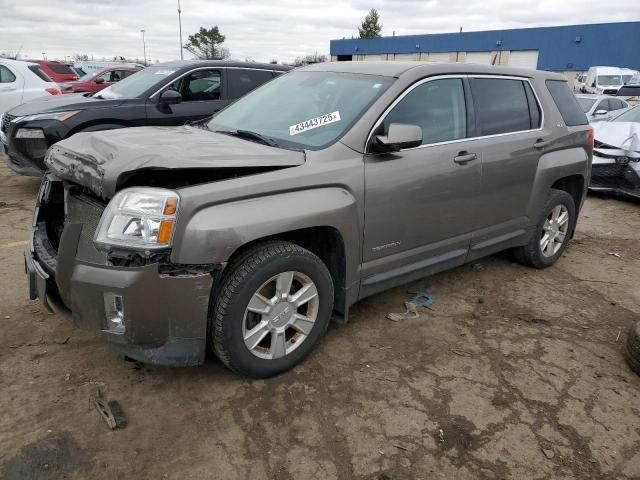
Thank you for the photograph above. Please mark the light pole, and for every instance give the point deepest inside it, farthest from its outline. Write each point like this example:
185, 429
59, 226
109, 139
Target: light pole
180, 24
144, 47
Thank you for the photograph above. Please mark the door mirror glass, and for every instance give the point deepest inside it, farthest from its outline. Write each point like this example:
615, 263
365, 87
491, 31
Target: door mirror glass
99, 80
600, 112
170, 97
399, 136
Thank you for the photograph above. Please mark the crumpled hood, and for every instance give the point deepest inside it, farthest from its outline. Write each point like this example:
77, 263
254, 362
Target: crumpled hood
97, 160
619, 138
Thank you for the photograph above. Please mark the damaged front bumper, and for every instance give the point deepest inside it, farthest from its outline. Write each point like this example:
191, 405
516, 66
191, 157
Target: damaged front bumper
154, 317
615, 172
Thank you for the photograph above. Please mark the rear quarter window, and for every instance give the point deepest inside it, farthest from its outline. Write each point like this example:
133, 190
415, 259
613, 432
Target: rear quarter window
566, 102
37, 71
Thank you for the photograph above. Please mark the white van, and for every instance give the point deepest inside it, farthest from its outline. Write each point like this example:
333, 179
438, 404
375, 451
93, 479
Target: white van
603, 80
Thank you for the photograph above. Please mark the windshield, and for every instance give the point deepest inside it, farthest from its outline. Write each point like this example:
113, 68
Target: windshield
585, 103
631, 115
303, 109
138, 83
609, 80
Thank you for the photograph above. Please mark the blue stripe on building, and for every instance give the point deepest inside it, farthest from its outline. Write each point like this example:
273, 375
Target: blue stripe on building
571, 47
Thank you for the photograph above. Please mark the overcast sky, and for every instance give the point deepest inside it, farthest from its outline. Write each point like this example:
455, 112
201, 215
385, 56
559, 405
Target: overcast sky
281, 29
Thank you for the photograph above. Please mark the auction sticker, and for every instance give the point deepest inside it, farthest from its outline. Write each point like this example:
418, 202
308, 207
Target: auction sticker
312, 123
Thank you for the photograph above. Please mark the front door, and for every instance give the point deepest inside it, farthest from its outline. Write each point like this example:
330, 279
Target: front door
202, 96
420, 202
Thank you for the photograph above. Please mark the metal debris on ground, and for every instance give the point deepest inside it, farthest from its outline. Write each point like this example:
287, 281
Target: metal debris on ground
110, 411
410, 312
421, 298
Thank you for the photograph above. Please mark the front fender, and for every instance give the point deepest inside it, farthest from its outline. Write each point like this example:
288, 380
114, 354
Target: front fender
214, 233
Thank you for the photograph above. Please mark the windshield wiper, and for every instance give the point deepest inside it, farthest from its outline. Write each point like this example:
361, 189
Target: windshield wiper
249, 135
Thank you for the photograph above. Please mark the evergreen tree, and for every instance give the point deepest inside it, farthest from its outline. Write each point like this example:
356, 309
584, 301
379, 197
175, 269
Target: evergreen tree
371, 26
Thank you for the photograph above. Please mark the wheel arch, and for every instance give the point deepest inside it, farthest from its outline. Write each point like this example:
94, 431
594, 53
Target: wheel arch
326, 242
574, 185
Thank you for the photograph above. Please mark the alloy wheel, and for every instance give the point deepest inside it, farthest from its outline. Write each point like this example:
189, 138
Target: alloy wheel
280, 315
554, 230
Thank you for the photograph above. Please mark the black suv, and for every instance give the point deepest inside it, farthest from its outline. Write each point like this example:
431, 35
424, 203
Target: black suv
172, 93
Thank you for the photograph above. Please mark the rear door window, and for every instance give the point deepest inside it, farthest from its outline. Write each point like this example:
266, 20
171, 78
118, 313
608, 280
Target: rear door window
6, 75
437, 107
615, 104
502, 106
242, 81
566, 102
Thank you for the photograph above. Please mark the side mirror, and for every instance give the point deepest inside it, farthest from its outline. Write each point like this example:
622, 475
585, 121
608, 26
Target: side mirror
170, 97
600, 112
593, 85
401, 135
99, 80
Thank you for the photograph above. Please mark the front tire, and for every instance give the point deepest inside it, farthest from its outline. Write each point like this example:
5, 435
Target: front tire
273, 307
552, 233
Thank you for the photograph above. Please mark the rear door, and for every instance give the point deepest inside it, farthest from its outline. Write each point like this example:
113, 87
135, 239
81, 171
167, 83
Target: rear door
203, 94
420, 202
511, 141
11, 88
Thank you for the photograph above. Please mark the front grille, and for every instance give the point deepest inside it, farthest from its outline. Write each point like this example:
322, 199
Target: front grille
614, 176
85, 210
6, 120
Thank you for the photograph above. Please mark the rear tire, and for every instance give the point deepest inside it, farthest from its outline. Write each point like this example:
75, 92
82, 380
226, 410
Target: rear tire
273, 307
632, 349
552, 225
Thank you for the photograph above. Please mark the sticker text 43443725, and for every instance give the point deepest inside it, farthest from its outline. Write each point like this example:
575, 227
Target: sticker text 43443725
314, 123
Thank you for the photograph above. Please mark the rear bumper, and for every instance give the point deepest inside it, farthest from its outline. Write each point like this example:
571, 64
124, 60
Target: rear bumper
165, 317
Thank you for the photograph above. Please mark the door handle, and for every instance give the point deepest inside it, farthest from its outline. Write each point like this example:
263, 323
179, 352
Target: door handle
540, 143
465, 157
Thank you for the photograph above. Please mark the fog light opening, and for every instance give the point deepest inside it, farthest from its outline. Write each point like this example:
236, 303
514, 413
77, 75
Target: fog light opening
114, 312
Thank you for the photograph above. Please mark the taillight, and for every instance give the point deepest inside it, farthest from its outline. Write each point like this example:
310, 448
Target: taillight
590, 139
52, 91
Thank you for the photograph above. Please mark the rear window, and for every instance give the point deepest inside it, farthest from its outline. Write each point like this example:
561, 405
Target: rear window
61, 68
38, 71
566, 102
504, 105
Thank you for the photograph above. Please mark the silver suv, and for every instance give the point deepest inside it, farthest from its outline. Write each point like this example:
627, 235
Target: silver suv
251, 230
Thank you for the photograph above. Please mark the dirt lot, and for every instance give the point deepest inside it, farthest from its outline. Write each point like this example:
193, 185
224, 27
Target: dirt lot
515, 373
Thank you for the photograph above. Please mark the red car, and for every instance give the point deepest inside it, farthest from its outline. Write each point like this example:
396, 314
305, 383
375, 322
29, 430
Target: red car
94, 82
56, 71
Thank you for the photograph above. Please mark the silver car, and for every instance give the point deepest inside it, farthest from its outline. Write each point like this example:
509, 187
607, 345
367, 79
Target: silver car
600, 107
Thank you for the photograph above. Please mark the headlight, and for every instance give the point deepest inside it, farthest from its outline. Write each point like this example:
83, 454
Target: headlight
140, 218
60, 116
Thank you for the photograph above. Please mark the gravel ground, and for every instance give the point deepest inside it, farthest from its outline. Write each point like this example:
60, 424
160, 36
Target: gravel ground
514, 373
